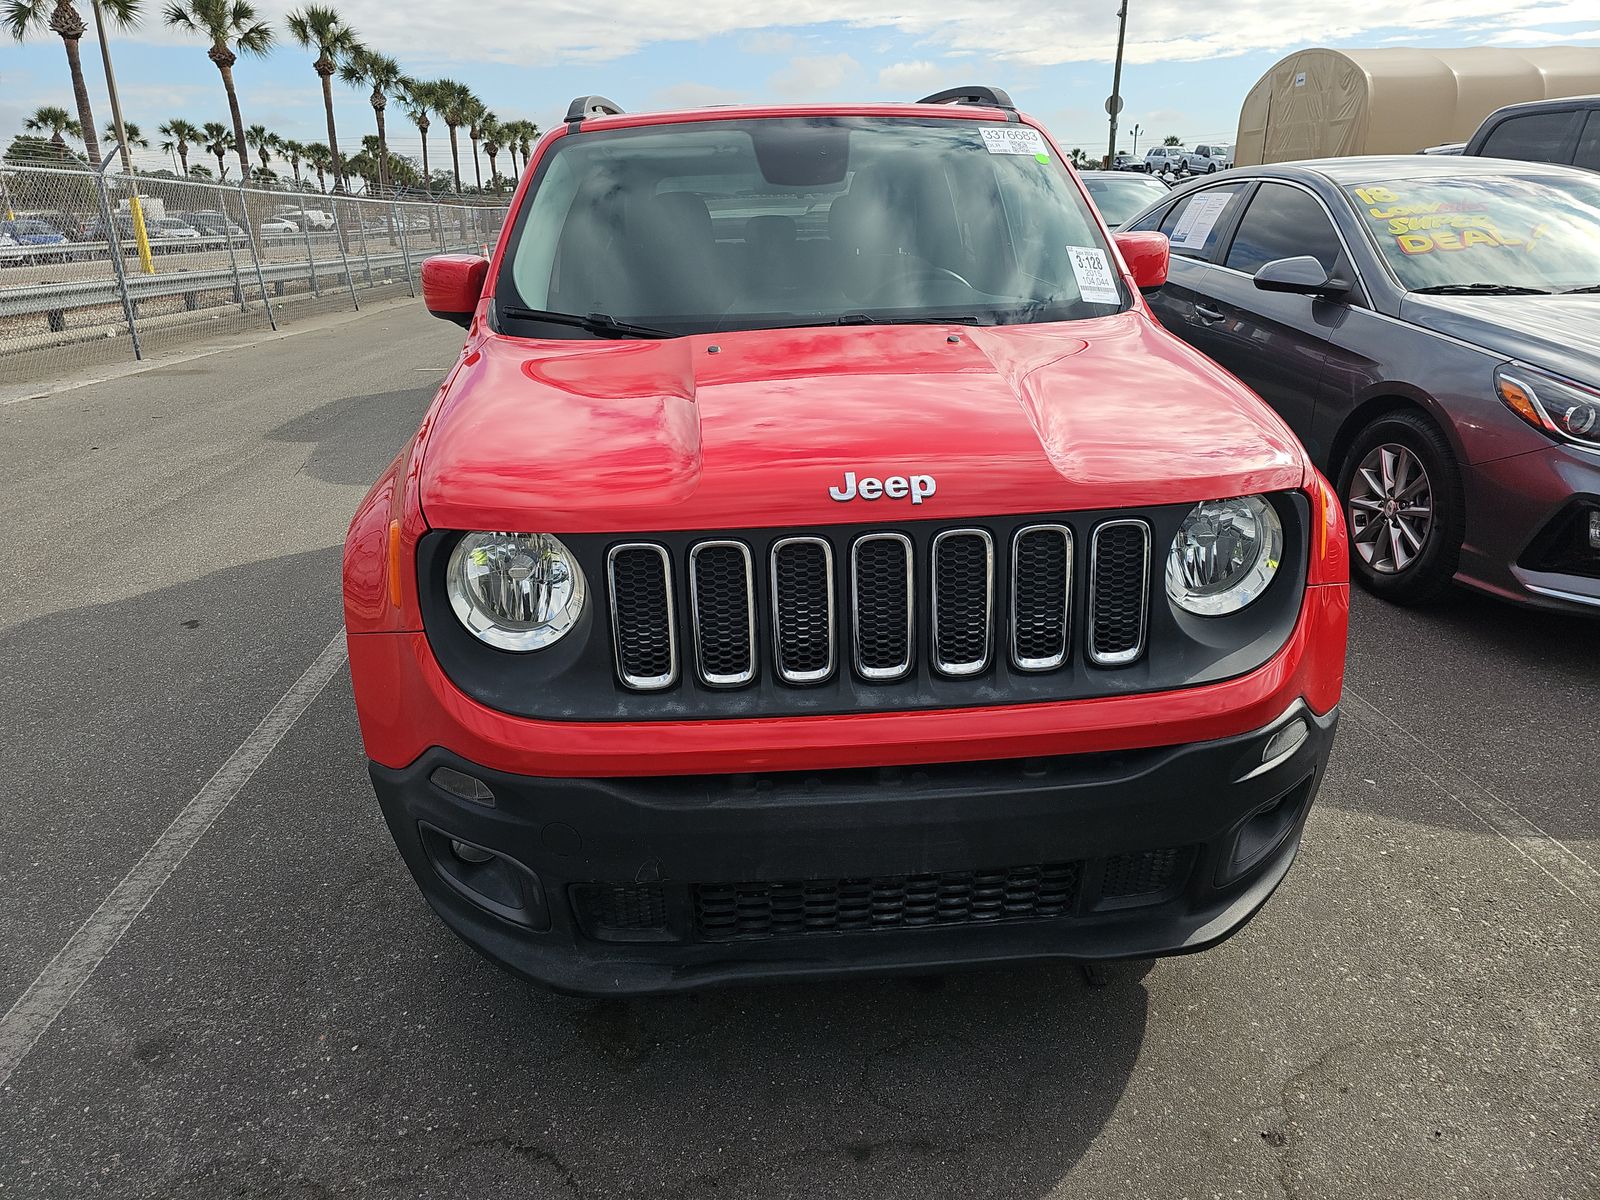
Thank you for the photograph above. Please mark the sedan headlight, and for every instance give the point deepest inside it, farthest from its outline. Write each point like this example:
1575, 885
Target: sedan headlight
1567, 410
1224, 556
515, 591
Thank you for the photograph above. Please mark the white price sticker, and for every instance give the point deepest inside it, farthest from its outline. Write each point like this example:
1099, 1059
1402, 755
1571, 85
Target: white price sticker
1014, 139
1199, 219
1096, 283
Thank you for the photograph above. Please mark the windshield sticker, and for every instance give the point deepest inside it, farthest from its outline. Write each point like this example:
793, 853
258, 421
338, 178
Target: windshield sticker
1199, 219
1438, 225
1096, 283
1015, 139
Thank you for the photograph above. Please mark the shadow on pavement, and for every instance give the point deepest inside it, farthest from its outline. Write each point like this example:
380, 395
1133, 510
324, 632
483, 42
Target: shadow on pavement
354, 438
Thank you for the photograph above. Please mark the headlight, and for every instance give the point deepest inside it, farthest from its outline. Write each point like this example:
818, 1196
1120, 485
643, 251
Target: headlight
515, 591
1224, 556
1568, 410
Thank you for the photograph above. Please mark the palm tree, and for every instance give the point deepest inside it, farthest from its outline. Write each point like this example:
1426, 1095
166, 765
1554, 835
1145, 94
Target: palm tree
417, 98
477, 114
527, 134
219, 140
293, 151
493, 134
199, 171
224, 21
1172, 139
136, 138
453, 102
259, 139
178, 134
321, 28
56, 122
62, 19
384, 74
321, 158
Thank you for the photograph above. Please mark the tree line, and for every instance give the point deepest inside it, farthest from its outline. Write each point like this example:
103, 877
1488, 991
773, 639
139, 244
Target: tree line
231, 28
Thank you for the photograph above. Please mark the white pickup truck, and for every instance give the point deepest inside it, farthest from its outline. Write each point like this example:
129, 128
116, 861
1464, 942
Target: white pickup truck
1207, 160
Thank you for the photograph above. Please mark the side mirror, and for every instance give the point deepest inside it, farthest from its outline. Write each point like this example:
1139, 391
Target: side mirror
1147, 255
1302, 276
451, 285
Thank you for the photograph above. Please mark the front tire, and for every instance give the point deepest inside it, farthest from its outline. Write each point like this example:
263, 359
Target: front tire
1402, 496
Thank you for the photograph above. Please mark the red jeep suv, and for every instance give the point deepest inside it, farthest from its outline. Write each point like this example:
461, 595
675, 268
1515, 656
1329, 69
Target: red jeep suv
819, 561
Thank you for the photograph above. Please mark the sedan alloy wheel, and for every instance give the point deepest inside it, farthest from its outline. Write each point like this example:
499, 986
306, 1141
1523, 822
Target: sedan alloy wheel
1390, 508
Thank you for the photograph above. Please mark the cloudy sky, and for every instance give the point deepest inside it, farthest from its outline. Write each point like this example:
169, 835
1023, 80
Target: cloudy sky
1190, 64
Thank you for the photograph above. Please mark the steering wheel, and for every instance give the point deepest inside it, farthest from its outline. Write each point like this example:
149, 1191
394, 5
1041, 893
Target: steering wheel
918, 271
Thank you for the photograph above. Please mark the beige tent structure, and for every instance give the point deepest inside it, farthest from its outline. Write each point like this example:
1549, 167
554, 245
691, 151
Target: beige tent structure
1331, 103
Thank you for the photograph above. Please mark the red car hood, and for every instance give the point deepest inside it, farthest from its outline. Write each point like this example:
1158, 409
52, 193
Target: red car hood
750, 429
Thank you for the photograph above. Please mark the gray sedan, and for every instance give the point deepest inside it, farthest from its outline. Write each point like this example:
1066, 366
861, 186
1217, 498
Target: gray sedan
1430, 328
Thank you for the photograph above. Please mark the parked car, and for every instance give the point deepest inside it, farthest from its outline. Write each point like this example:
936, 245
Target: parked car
213, 224
1431, 329
1208, 159
59, 219
1127, 162
1162, 160
878, 588
38, 240
313, 219
1565, 131
1120, 196
169, 233
278, 225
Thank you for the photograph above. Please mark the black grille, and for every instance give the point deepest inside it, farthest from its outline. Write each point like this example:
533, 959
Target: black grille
963, 588
724, 613
641, 599
1041, 584
1143, 873
1118, 586
802, 602
620, 911
726, 912
882, 603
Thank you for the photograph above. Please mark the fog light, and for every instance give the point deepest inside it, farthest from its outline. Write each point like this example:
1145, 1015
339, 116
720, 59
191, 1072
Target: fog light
470, 854
1286, 741
1594, 530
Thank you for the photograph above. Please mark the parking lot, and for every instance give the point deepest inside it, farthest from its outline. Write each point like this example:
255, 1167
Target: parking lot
1414, 1015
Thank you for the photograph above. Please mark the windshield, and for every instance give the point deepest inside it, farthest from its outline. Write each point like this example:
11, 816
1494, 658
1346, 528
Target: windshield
1120, 198
1524, 233
709, 226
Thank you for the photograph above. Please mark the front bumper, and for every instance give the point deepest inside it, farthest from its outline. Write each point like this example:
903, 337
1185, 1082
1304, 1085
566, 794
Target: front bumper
1512, 505
618, 885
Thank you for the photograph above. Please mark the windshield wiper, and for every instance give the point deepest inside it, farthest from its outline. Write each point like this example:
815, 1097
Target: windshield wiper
930, 319
1479, 289
598, 324
1578, 291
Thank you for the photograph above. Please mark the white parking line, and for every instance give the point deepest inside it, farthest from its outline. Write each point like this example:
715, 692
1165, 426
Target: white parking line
71, 968
1570, 870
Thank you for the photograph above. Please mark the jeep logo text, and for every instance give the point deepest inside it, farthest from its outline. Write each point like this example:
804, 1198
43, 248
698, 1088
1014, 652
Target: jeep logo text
896, 487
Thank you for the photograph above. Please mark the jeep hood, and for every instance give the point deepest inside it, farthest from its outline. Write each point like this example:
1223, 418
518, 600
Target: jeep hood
752, 429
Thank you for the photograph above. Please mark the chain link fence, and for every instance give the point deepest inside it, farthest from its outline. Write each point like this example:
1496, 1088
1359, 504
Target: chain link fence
99, 268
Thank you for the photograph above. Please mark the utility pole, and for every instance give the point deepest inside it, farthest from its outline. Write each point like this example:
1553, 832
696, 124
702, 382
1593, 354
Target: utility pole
1137, 130
1114, 104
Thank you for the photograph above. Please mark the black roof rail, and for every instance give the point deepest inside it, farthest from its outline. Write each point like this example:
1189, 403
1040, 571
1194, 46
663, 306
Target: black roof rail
585, 106
987, 97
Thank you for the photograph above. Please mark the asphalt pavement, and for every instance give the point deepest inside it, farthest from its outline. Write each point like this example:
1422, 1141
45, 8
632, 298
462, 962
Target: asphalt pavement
1416, 1013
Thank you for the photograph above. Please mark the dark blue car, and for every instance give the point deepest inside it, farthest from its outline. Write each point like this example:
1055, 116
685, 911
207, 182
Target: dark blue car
1430, 328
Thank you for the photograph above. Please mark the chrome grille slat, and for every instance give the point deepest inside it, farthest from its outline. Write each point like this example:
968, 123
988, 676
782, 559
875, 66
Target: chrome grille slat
883, 605
803, 621
1119, 592
722, 604
1041, 597
962, 584
644, 625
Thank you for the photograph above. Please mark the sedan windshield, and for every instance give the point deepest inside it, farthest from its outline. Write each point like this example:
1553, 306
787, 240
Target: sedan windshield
1120, 197
1484, 234
747, 224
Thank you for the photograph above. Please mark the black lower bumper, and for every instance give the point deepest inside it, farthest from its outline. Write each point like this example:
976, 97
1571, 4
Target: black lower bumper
616, 886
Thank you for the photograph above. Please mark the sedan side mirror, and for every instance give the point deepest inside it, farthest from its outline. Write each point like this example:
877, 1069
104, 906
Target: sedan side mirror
1148, 256
1301, 276
451, 285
